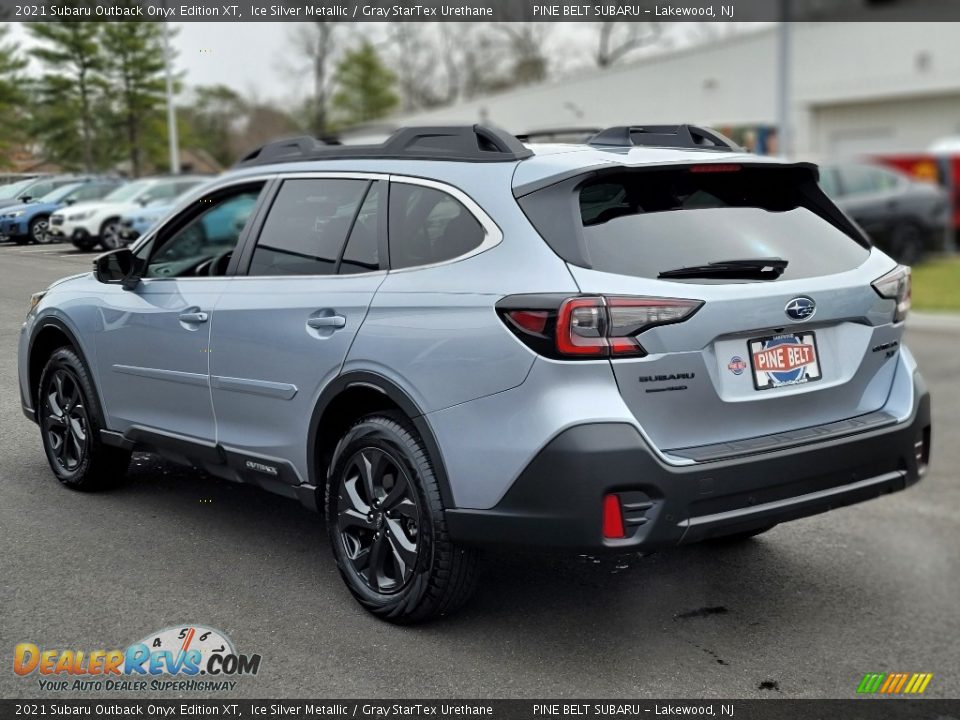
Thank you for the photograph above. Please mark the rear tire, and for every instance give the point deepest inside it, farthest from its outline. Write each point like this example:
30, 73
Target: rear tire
110, 234
70, 425
387, 528
906, 243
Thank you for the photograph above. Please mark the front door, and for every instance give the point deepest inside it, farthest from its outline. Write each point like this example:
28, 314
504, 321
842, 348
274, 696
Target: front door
153, 340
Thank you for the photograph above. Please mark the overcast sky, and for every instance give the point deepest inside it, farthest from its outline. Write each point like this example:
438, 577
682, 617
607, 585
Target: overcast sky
257, 57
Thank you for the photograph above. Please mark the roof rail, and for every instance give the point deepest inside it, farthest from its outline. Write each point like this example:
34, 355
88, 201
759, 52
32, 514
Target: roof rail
677, 136
466, 143
550, 134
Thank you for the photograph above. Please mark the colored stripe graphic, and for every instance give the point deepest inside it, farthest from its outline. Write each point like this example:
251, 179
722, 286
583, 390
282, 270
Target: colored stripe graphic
894, 683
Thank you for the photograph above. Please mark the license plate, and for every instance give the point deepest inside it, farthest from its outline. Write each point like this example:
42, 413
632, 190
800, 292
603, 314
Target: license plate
789, 359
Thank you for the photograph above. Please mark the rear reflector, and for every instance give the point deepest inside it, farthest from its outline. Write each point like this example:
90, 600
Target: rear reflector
534, 321
612, 518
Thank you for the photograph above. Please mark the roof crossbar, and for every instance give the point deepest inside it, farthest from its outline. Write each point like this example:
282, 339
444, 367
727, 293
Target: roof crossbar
466, 143
674, 136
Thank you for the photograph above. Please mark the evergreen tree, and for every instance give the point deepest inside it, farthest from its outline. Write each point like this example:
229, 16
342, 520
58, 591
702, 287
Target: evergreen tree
134, 71
364, 87
69, 98
12, 97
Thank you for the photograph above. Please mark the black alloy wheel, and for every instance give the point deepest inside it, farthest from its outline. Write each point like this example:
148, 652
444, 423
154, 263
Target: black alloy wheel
65, 419
378, 520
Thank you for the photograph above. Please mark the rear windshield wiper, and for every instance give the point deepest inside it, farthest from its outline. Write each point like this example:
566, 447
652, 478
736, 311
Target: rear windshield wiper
749, 269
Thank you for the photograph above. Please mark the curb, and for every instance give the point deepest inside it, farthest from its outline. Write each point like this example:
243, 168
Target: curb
943, 322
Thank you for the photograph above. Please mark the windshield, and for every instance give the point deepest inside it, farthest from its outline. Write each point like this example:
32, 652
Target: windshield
128, 192
59, 193
12, 190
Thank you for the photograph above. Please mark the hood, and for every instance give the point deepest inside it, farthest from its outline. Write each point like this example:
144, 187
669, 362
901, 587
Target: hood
98, 207
9, 202
31, 208
151, 212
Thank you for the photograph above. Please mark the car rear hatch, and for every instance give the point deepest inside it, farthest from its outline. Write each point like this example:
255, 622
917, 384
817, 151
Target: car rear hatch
785, 332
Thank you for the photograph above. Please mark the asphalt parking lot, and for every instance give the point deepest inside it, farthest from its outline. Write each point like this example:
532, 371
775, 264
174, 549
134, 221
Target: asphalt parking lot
803, 611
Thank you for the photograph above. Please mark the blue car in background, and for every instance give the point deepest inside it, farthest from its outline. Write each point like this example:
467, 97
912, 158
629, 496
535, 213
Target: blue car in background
135, 224
29, 222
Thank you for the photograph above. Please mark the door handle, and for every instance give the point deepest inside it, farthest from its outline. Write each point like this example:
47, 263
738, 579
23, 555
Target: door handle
194, 317
327, 321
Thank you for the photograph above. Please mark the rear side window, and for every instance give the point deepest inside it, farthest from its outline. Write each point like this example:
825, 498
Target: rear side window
644, 223
429, 226
307, 227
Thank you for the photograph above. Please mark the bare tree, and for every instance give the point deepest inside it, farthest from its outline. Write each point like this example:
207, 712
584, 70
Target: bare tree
616, 40
318, 43
526, 43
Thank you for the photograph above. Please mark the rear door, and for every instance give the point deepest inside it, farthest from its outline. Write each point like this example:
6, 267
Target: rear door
763, 354
284, 325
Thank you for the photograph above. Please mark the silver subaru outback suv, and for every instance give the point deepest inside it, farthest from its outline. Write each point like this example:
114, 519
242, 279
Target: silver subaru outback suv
454, 340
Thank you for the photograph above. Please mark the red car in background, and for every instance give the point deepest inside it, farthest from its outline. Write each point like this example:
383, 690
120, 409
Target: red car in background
941, 164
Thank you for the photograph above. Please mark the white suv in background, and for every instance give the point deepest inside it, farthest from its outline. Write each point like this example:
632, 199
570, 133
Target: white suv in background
87, 224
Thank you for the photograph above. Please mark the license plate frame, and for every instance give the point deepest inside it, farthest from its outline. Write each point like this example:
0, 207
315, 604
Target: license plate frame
788, 377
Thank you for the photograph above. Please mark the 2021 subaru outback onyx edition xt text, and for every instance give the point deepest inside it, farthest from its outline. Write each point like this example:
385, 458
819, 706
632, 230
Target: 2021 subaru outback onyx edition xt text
452, 340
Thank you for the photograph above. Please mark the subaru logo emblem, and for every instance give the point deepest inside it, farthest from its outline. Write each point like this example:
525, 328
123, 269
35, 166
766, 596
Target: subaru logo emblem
800, 309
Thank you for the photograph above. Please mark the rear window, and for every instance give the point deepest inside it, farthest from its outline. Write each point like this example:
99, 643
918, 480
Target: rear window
646, 221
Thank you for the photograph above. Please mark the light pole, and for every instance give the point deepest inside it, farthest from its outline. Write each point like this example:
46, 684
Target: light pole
784, 134
171, 110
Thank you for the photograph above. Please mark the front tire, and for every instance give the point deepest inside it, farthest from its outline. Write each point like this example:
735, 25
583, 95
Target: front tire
386, 525
38, 229
70, 427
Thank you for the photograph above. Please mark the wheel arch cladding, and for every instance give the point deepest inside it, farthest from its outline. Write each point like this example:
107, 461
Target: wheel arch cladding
49, 335
347, 399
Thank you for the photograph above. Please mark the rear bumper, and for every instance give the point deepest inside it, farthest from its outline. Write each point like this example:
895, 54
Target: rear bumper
557, 500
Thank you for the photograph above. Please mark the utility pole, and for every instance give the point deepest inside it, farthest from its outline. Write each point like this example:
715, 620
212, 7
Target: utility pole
171, 110
784, 39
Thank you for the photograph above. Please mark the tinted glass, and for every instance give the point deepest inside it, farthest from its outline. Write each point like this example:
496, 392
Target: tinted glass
859, 180
91, 191
363, 247
644, 223
429, 226
203, 245
307, 227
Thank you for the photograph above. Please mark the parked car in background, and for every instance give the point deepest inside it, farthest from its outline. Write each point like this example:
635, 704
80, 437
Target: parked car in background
136, 222
36, 188
92, 223
29, 222
904, 217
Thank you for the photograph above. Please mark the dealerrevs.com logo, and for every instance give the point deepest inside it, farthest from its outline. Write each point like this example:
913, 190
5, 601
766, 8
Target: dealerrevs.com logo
179, 658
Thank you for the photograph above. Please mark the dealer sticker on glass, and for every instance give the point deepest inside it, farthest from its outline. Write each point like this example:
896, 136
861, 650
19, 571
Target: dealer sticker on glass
779, 360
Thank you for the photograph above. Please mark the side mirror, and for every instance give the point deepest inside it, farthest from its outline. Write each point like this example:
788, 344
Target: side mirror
69, 201
25, 198
117, 266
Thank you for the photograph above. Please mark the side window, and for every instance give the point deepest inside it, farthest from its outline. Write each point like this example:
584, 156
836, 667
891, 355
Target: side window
429, 226
828, 182
307, 227
163, 191
859, 180
90, 191
362, 253
203, 237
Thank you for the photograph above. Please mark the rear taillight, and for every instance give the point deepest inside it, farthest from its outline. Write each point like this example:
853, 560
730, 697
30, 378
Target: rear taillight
896, 285
589, 327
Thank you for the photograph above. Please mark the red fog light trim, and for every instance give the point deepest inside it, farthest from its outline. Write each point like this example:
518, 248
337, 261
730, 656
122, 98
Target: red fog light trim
612, 518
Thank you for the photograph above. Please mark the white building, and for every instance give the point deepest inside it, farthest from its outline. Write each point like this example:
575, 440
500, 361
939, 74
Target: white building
857, 88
